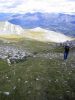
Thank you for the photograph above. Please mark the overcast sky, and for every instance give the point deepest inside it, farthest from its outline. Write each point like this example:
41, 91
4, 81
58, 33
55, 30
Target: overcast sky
24, 6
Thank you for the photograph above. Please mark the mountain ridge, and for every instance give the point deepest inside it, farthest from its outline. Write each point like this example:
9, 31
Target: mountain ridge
57, 22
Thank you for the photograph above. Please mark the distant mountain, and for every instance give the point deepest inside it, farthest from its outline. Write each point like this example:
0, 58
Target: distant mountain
57, 22
38, 33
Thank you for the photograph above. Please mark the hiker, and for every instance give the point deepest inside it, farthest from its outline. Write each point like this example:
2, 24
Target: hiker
66, 51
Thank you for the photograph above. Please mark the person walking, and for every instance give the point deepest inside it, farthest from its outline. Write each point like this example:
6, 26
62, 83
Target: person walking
66, 51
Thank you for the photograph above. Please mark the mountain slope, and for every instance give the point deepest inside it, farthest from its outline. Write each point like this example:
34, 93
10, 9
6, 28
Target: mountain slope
46, 35
9, 30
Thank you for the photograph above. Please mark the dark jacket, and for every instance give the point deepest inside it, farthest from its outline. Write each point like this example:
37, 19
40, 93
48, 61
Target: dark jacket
67, 49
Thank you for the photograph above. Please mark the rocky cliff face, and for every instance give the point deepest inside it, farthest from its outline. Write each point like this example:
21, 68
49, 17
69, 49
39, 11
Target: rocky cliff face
7, 28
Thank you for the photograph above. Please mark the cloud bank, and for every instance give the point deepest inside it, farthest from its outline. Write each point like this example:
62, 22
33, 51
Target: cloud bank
24, 6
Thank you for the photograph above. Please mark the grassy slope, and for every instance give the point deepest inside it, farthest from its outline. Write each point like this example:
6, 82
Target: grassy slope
38, 78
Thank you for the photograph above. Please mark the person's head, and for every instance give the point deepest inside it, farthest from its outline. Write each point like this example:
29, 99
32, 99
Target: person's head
67, 43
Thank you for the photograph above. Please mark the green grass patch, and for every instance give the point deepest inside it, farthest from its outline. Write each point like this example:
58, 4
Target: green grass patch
38, 78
